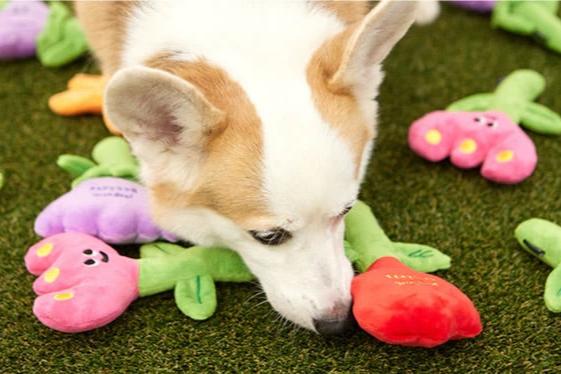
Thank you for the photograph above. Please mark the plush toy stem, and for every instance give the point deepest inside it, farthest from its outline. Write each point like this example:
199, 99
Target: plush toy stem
160, 273
113, 150
367, 242
510, 96
532, 18
540, 238
514, 97
520, 86
114, 159
365, 236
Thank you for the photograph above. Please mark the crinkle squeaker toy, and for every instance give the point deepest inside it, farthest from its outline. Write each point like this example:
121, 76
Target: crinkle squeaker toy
84, 284
482, 130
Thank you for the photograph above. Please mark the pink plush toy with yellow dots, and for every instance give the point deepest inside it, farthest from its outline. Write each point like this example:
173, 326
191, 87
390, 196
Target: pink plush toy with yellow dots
483, 130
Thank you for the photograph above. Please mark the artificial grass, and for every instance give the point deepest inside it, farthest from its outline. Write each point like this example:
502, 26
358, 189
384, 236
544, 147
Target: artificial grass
465, 216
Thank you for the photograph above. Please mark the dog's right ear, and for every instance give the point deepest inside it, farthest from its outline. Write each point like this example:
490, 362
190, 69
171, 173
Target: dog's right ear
155, 108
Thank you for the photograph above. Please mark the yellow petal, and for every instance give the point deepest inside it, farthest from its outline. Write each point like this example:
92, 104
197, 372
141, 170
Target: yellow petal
433, 137
63, 296
51, 275
44, 250
468, 146
504, 156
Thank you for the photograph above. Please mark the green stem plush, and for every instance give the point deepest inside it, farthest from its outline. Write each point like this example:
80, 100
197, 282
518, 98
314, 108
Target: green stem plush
365, 242
531, 18
62, 39
112, 157
542, 239
83, 283
191, 273
515, 97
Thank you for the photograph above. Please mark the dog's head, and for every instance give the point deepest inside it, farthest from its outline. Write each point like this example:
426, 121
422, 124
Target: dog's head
269, 175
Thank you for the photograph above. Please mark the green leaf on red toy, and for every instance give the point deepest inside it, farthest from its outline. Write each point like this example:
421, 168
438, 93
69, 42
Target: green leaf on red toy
398, 305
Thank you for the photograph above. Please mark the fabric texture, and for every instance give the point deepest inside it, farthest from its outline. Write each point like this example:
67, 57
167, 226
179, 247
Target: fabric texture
398, 305
62, 40
20, 25
542, 239
531, 18
82, 282
112, 209
471, 139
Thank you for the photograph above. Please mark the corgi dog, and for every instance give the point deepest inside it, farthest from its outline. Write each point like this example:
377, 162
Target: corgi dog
253, 121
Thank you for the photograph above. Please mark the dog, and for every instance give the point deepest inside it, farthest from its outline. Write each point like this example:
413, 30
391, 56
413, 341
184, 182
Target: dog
253, 122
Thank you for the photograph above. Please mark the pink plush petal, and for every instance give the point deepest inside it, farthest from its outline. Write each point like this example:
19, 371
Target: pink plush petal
43, 254
83, 282
432, 136
84, 307
512, 160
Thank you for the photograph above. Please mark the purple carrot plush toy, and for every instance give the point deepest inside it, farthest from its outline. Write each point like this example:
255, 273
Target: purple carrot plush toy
20, 24
481, 6
111, 209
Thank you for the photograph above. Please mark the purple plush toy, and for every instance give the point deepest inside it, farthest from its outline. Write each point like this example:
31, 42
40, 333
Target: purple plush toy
481, 6
20, 24
111, 209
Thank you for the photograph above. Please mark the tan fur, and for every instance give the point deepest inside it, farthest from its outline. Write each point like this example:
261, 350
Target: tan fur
337, 104
347, 11
230, 177
104, 24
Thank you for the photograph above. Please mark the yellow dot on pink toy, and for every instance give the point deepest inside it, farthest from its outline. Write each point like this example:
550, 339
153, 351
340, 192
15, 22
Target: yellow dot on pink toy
44, 250
51, 275
433, 137
468, 146
62, 296
505, 156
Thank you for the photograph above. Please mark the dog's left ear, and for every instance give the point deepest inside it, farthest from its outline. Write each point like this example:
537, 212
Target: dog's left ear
372, 40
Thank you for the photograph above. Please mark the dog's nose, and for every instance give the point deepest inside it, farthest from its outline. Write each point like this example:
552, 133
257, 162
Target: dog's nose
330, 326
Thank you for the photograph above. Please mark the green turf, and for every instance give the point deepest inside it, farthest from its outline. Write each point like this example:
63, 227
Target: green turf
456, 211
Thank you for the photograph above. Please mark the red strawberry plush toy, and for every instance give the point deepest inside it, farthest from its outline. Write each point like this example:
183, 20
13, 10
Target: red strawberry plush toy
398, 305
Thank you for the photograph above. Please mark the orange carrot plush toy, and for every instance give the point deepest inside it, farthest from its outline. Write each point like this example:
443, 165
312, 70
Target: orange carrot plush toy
83, 96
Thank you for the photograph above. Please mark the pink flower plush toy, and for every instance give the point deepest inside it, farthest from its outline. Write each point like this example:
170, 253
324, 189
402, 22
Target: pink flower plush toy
484, 129
470, 139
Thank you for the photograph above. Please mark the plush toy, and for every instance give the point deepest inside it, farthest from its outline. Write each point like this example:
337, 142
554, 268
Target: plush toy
514, 96
397, 304
112, 156
112, 209
531, 18
542, 239
472, 138
20, 25
83, 96
62, 40
84, 284
481, 6
365, 242
481, 129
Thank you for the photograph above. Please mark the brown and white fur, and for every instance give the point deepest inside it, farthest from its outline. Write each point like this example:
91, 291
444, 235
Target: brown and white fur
253, 122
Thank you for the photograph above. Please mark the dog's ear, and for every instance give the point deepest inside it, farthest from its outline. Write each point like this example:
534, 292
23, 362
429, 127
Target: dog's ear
372, 40
151, 106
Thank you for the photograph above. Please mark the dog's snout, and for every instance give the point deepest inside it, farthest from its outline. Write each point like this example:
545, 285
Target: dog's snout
341, 326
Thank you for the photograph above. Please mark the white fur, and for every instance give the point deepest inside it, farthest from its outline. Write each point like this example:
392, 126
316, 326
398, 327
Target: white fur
428, 11
309, 170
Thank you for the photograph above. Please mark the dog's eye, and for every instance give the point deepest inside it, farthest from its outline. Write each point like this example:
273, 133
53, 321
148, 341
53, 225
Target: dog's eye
345, 211
275, 236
